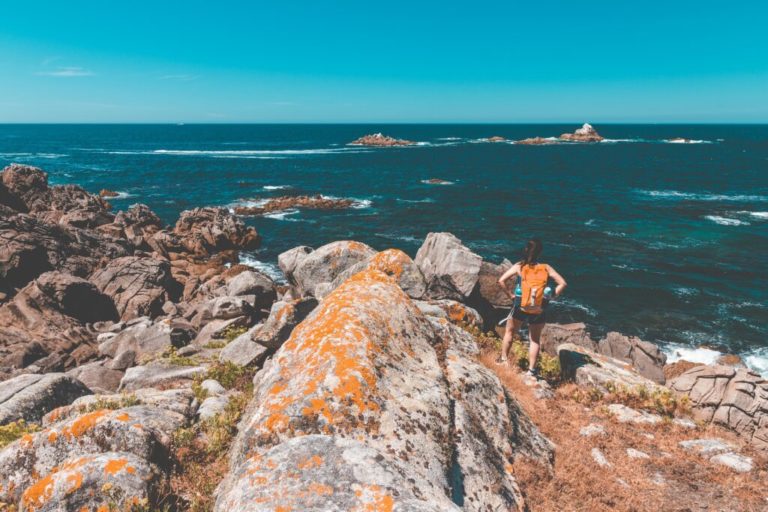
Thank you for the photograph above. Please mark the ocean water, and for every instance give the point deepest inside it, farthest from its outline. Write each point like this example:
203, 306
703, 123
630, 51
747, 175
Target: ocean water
662, 240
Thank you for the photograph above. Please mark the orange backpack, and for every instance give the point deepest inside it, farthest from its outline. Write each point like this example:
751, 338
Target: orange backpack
534, 280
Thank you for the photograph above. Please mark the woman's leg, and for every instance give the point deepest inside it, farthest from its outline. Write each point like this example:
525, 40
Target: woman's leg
534, 333
513, 326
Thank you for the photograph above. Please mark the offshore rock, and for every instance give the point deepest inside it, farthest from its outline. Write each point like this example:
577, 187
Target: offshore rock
584, 134
316, 202
379, 139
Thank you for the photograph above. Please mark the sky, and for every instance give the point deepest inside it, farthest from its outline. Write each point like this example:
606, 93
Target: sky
384, 61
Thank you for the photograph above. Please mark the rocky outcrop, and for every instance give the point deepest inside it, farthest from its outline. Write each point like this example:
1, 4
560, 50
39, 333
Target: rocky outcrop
392, 262
380, 140
496, 138
735, 398
645, 357
584, 134
450, 268
283, 318
275, 204
29, 397
536, 141
587, 368
308, 270
205, 231
139, 286
359, 385
43, 324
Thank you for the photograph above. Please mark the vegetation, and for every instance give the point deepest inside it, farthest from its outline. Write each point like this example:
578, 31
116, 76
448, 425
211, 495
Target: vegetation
16, 430
171, 357
658, 400
110, 403
232, 332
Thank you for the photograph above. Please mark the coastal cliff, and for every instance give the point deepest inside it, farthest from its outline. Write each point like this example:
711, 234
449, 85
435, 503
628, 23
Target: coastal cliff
144, 367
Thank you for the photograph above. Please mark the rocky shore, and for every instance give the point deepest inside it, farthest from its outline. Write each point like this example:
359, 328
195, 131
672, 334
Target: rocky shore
144, 368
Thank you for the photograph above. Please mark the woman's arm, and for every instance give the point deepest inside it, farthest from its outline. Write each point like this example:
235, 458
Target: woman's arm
561, 284
513, 271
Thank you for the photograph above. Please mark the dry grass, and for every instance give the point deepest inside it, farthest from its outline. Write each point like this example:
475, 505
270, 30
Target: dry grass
577, 483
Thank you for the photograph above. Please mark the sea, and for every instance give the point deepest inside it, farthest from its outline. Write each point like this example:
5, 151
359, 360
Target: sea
657, 238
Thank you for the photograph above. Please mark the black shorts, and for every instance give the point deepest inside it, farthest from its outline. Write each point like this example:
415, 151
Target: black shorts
531, 318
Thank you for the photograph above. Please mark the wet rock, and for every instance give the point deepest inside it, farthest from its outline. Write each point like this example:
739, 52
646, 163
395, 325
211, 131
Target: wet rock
205, 231
379, 139
450, 268
157, 374
496, 138
326, 263
584, 134
139, 286
735, 398
105, 192
80, 484
645, 357
29, 397
588, 368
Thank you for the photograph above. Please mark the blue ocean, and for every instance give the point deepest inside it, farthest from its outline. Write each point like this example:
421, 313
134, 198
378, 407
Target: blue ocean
660, 239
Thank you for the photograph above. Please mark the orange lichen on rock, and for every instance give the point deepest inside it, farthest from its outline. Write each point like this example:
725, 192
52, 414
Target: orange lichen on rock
391, 262
374, 499
84, 423
123, 417
38, 493
76, 479
314, 461
114, 465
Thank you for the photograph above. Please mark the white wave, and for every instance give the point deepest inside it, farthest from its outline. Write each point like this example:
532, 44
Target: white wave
615, 234
32, 156
122, 195
438, 182
677, 352
245, 153
686, 141
703, 196
282, 215
757, 215
682, 291
357, 204
757, 360
414, 201
614, 141
402, 238
590, 222
449, 138
576, 305
726, 221
270, 269
276, 187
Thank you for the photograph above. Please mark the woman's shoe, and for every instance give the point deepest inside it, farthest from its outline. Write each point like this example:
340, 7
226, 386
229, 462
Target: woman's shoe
501, 361
532, 373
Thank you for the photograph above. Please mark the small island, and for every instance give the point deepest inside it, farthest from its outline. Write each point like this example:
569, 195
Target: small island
380, 140
275, 204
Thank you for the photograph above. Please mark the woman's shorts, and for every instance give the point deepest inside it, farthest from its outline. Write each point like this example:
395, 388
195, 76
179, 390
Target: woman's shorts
532, 319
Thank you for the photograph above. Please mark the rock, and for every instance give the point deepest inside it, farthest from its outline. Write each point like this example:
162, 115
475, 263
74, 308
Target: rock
584, 134
392, 262
316, 202
97, 376
326, 263
735, 398
205, 231
731, 360
105, 192
738, 463
139, 286
537, 141
29, 397
451, 269
488, 284
359, 385
159, 374
212, 407
319, 473
455, 312
380, 140
554, 335
600, 458
645, 357
587, 368
43, 324
253, 283
142, 431
637, 454
289, 260
139, 342
223, 308
243, 351
138, 224
436, 181
624, 414
496, 138
80, 484
212, 387
707, 447
678, 368
593, 429
216, 330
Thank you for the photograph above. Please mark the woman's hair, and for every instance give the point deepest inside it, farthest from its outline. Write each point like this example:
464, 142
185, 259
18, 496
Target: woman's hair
531, 252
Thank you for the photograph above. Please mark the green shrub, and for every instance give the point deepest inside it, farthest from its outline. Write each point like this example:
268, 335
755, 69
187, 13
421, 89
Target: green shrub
16, 430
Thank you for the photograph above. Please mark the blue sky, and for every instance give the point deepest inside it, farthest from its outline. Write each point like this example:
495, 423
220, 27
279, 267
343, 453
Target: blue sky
353, 61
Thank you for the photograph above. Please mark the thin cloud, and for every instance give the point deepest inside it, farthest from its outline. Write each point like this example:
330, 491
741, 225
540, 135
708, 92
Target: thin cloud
67, 72
180, 78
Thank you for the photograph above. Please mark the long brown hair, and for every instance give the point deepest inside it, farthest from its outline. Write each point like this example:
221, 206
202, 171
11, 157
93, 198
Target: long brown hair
531, 252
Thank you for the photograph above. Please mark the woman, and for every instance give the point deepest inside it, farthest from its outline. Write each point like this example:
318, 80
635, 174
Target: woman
529, 306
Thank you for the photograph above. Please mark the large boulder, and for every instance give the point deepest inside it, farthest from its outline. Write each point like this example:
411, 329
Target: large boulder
139, 286
645, 357
554, 335
283, 318
139, 224
588, 368
392, 262
140, 341
29, 397
256, 284
160, 374
44, 323
289, 260
205, 231
356, 401
323, 265
450, 268
735, 398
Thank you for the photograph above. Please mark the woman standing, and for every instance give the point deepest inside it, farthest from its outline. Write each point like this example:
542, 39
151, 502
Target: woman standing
530, 305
